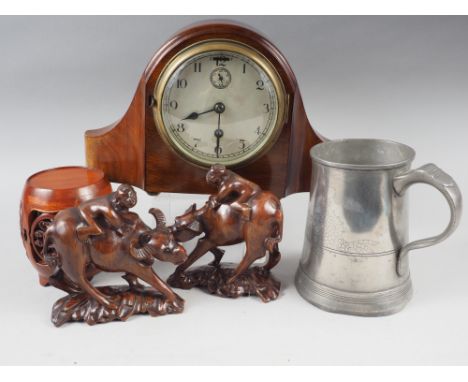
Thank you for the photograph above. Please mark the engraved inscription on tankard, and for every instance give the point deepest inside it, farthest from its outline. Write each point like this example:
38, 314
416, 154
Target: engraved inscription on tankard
355, 256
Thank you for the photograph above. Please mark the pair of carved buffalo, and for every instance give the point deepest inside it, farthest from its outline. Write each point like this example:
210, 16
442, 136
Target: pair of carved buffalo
103, 235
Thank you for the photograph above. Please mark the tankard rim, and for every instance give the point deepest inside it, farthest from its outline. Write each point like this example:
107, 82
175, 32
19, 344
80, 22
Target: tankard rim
385, 154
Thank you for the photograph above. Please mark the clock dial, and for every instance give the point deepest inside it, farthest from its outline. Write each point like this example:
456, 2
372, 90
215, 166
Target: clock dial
219, 103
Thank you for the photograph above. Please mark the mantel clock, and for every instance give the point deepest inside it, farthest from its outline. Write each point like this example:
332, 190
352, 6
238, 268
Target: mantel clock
216, 92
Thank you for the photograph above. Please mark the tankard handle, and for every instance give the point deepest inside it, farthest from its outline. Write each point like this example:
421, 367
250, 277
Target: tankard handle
434, 176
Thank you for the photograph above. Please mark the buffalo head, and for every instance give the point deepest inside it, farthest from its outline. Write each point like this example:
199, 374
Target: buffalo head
187, 225
158, 243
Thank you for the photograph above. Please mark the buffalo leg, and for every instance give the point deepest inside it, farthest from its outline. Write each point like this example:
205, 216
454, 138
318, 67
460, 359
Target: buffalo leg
218, 254
75, 269
147, 274
202, 247
60, 281
273, 258
84, 283
254, 251
91, 271
133, 281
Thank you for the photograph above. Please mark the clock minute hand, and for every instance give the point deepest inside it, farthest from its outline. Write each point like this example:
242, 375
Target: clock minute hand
219, 108
218, 134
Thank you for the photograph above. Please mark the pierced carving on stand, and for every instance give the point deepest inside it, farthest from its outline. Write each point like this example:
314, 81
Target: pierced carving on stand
240, 212
101, 234
38, 229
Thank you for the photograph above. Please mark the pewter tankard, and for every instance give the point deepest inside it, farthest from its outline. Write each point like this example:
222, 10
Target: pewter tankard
355, 255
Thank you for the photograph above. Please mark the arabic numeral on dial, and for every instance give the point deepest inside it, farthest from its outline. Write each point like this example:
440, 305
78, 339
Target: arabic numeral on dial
174, 104
181, 84
258, 130
197, 141
197, 67
260, 85
180, 127
242, 144
267, 107
218, 150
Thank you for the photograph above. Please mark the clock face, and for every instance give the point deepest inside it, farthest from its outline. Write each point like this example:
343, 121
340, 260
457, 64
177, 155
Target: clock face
219, 102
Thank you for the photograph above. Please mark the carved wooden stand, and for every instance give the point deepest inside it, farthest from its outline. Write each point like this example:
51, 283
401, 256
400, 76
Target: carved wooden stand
48, 192
80, 307
214, 279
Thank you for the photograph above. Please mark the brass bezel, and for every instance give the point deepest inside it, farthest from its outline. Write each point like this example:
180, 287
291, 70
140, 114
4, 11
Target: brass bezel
222, 45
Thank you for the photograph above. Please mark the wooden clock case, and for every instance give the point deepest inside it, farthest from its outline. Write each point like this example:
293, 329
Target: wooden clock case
132, 151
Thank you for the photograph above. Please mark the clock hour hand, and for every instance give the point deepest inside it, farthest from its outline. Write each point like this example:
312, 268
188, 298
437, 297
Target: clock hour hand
195, 115
218, 108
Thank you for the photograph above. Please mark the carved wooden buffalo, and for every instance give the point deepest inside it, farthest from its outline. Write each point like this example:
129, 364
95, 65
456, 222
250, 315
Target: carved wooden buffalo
130, 249
225, 224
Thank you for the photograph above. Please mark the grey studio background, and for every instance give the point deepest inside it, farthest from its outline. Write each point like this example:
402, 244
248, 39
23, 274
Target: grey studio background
401, 78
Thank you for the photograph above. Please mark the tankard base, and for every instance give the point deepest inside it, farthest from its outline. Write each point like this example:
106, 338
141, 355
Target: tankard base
371, 304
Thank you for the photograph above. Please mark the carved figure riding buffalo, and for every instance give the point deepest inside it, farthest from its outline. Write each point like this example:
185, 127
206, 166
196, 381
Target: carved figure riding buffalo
103, 235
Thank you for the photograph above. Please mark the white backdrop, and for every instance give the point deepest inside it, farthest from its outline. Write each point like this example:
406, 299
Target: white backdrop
400, 78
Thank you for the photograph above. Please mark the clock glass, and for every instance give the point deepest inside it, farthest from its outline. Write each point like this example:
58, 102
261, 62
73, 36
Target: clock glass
219, 102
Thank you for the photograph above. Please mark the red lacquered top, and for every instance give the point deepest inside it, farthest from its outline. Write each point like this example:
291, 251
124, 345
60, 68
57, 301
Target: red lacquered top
64, 178
62, 187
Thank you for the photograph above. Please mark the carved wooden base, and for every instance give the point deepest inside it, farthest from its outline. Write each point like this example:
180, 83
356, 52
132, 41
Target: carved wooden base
214, 279
80, 307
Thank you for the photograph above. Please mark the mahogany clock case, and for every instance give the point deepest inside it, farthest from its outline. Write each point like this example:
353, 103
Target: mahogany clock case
132, 150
